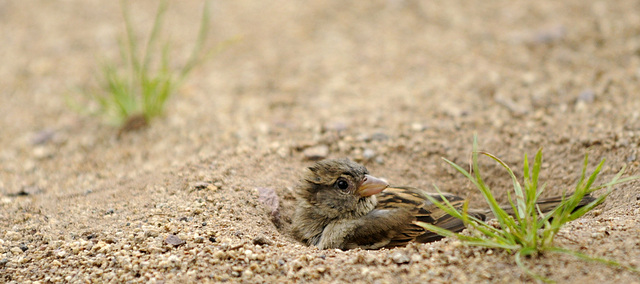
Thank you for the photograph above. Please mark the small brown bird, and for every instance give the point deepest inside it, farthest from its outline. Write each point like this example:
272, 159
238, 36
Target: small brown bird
341, 206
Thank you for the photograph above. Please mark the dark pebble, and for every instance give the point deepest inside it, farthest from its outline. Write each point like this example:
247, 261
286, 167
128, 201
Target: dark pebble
24, 247
260, 240
201, 185
28, 190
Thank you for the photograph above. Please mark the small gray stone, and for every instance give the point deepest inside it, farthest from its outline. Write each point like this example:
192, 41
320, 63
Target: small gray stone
631, 158
270, 199
174, 240
368, 153
335, 126
379, 136
587, 96
42, 137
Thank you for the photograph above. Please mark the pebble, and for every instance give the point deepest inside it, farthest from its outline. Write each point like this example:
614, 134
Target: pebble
200, 185
28, 190
270, 199
283, 152
368, 153
247, 273
631, 158
42, 137
400, 257
418, 127
550, 35
261, 240
42, 152
220, 255
365, 270
335, 126
12, 235
379, 136
316, 152
587, 96
174, 240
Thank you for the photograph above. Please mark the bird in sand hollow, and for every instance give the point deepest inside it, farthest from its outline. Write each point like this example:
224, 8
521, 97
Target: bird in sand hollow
341, 206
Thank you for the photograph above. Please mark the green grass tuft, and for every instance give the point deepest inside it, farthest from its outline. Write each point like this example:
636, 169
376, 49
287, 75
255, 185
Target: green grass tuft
529, 231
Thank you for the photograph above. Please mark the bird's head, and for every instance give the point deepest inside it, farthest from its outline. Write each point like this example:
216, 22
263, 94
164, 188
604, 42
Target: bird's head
340, 188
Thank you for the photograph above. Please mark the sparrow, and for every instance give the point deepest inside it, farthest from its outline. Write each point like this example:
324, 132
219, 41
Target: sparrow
340, 205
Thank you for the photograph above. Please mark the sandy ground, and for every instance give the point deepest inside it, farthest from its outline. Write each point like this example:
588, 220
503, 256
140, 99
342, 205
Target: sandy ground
395, 84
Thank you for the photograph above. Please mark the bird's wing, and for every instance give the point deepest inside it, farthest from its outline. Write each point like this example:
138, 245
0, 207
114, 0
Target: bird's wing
390, 223
413, 200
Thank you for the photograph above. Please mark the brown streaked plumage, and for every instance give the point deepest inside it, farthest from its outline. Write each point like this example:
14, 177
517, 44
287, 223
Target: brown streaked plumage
341, 206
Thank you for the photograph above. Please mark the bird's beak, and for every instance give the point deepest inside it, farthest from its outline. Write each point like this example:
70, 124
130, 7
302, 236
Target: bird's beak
371, 185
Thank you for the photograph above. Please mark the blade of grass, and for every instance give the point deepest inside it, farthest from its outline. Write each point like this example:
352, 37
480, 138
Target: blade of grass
520, 200
592, 258
131, 40
194, 58
153, 37
520, 264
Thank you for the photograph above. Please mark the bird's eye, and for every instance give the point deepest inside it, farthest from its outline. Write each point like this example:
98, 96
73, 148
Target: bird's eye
342, 184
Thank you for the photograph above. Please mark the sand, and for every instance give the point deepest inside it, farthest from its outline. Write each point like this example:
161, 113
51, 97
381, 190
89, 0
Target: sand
396, 85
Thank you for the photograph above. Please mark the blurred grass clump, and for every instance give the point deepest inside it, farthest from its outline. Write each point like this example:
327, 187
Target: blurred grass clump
134, 89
